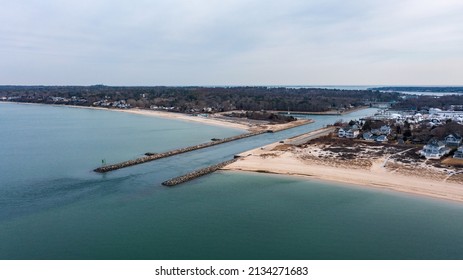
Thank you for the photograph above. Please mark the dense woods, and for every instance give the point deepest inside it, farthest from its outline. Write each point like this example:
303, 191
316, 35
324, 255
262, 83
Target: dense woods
262, 115
203, 99
424, 102
422, 89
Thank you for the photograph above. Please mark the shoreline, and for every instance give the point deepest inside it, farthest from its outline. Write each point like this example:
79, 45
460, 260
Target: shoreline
212, 120
284, 159
150, 113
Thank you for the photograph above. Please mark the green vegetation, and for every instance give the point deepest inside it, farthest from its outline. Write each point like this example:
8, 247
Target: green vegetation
201, 99
424, 102
266, 116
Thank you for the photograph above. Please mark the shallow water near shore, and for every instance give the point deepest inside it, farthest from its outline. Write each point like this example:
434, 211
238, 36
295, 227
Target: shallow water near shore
53, 206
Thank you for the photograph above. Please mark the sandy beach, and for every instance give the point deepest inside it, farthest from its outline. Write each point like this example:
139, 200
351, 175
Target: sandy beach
183, 117
379, 170
212, 119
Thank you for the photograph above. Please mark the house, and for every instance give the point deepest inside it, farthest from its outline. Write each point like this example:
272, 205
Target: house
342, 132
368, 136
352, 133
355, 126
434, 149
385, 130
435, 122
452, 140
381, 138
459, 153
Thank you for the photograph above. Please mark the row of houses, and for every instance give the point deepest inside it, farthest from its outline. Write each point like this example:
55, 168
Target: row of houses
379, 135
434, 117
64, 100
121, 104
436, 149
9, 98
154, 107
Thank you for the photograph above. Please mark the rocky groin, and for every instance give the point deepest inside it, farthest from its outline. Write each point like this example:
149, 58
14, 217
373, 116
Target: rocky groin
197, 173
155, 156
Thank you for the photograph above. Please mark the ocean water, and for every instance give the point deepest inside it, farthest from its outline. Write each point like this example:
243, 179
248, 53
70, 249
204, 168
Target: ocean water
52, 206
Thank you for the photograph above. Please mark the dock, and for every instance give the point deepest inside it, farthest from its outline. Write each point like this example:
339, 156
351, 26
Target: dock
197, 173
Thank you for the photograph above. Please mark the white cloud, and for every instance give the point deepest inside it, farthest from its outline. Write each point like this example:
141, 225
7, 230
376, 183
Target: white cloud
230, 42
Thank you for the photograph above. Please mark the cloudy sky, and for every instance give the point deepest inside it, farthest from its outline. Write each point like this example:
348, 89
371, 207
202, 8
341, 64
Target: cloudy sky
231, 42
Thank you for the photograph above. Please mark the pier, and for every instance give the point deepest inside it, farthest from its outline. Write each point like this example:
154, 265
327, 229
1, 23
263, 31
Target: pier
197, 173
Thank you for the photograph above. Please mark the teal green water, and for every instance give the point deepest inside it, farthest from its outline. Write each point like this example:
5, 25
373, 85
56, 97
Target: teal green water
64, 211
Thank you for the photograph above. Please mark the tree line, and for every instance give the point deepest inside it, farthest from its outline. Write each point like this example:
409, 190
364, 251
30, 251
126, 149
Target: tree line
210, 99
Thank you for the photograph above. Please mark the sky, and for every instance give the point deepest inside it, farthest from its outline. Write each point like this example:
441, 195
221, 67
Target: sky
231, 42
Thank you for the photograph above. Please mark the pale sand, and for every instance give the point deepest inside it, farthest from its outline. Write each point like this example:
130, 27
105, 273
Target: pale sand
212, 120
184, 117
287, 162
243, 124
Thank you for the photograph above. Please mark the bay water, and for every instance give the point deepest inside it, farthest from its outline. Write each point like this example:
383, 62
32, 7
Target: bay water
53, 206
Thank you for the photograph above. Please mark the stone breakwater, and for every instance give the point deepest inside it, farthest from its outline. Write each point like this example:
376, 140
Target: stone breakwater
152, 156
197, 173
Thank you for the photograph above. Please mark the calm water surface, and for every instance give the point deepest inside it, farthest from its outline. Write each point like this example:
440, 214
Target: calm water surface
53, 207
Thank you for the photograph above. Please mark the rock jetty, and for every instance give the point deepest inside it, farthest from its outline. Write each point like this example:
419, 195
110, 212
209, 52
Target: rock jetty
155, 156
197, 173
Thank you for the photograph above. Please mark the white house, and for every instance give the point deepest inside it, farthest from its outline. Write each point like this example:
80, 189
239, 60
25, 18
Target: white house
453, 140
434, 150
385, 130
352, 133
418, 117
342, 132
368, 136
459, 153
381, 138
434, 122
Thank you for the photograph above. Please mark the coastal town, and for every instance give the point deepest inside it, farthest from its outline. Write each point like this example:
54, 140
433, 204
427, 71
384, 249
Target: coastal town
408, 151
439, 131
